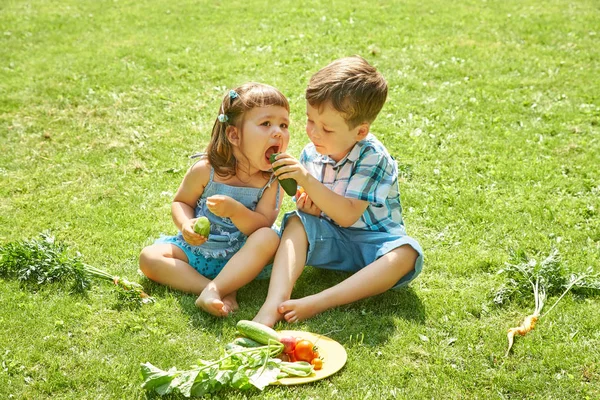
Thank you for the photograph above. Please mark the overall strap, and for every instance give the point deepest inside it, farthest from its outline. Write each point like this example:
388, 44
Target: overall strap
273, 178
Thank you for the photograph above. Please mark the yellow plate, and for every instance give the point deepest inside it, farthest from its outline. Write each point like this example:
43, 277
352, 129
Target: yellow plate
333, 354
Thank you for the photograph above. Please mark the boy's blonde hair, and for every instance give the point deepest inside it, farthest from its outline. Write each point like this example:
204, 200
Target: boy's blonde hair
354, 88
234, 106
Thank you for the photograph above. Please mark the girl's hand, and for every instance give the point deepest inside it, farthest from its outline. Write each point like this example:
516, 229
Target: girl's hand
222, 206
187, 231
290, 168
305, 204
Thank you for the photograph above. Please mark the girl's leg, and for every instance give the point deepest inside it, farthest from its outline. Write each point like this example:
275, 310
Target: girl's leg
167, 264
242, 268
287, 267
375, 278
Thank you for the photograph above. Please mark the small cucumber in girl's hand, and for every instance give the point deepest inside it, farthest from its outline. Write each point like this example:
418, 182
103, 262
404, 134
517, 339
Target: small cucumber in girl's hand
202, 226
289, 185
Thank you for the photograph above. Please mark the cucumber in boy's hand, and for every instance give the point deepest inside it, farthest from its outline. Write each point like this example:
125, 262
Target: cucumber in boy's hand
289, 185
202, 226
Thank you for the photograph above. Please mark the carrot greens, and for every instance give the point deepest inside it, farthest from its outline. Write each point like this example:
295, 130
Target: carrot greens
44, 260
239, 368
545, 278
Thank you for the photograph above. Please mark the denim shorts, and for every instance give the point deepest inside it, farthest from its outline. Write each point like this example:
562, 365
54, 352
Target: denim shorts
209, 267
350, 250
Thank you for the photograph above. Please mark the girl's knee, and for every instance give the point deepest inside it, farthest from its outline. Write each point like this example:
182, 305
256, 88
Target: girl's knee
148, 258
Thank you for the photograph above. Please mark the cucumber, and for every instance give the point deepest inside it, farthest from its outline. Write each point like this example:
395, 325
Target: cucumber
202, 226
258, 332
289, 185
246, 342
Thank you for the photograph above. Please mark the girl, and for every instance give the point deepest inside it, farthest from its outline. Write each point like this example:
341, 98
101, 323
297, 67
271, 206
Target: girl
232, 185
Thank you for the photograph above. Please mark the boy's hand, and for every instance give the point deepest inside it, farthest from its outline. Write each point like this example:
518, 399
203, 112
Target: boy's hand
290, 169
305, 204
222, 206
189, 235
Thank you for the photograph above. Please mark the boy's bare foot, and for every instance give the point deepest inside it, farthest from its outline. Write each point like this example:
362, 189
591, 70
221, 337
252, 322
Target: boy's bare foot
230, 301
268, 314
301, 309
211, 302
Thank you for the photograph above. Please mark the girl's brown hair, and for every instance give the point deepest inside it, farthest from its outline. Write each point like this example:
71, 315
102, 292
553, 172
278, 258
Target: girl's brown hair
231, 112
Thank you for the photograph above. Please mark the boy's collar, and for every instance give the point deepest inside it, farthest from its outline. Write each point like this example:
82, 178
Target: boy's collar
352, 155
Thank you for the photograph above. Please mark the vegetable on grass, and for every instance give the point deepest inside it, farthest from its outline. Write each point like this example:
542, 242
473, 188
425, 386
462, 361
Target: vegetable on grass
544, 278
258, 332
239, 368
246, 342
44, 260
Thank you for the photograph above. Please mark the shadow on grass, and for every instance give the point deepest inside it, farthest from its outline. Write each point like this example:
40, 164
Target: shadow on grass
370, 321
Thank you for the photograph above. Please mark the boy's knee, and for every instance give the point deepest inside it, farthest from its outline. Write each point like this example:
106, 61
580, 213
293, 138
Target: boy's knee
293, 221
266, 237
406, 255
293, 225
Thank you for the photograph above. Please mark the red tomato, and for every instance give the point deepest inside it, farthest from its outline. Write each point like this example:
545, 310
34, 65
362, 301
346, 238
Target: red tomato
289, 343
304, 350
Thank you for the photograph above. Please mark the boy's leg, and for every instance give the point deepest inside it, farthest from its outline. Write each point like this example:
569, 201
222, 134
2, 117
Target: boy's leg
287, 267
218, 297
167, 264
377, 277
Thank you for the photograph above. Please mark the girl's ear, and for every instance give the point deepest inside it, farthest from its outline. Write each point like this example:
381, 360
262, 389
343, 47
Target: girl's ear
233, 135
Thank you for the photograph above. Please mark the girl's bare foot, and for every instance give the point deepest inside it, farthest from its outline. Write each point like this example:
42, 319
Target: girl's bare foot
301, 309
268, 314
211, 302
230, 301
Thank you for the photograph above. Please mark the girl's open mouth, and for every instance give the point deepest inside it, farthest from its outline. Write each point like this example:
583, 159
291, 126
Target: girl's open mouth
270, 151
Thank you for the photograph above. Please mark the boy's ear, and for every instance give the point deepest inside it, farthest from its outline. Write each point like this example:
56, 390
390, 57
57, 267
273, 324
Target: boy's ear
363, 131
233, 135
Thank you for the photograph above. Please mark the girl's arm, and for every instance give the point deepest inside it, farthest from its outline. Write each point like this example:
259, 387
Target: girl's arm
343, 210
184, 203
246, 220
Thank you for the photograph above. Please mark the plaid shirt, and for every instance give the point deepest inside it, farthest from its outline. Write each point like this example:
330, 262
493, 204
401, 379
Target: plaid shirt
369, 173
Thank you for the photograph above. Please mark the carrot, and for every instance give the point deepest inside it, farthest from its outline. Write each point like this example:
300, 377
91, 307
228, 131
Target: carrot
527, 326
539, 294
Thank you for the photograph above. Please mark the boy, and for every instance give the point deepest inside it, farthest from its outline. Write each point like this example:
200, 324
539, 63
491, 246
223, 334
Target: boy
349, 217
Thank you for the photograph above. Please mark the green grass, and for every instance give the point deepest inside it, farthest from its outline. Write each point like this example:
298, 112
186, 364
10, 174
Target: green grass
493, 115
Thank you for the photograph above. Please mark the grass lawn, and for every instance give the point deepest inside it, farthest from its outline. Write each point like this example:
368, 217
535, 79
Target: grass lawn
493, 115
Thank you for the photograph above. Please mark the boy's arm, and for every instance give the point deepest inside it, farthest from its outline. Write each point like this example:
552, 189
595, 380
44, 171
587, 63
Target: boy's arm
342, 210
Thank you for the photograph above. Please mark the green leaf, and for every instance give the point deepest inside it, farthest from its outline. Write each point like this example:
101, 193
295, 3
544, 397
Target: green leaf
264, 376
185, 381
201, 387
240, 381
155, 377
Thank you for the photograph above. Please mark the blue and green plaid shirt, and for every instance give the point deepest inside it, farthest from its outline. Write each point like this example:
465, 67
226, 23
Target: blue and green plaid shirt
369, 173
